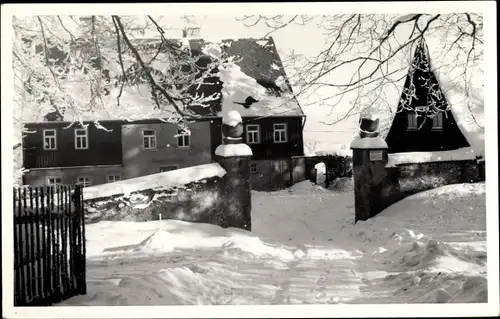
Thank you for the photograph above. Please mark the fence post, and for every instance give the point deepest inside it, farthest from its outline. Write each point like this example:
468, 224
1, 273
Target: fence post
369, 156
234, 156
80, 239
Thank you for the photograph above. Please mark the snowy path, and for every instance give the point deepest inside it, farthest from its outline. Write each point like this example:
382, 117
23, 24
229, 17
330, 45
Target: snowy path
304, 248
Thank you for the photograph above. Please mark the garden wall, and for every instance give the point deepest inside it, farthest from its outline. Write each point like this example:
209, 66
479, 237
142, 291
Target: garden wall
195, 202
404, 180
204, 193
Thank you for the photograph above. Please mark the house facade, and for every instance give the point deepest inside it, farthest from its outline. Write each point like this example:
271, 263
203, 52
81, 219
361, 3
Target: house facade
57, 154
59, 151
274, 143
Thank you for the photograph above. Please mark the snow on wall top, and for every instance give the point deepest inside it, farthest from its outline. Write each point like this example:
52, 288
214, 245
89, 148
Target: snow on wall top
156, 181
466, 153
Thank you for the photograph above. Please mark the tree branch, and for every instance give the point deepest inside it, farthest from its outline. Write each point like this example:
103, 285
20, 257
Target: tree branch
154, 86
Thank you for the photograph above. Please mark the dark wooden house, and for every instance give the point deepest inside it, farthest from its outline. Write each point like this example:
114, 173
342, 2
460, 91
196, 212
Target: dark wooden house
425, 122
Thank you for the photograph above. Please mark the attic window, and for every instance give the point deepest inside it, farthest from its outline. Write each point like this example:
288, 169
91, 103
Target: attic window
437, 121
412, 121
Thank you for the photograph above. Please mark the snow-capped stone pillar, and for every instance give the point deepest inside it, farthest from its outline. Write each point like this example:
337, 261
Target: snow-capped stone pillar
234, 156
369, 159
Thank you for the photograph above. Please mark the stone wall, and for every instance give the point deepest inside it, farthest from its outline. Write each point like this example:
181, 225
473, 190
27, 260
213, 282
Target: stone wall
218, 194
198, 201
377, 185
408, 179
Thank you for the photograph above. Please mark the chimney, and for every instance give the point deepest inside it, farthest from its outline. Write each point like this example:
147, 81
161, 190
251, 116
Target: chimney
191, 32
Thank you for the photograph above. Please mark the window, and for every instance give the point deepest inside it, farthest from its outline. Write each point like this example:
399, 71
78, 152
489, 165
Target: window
253, 168
54, 180
149, 139
437, 121
49, 139
253, 134
167, 168
114, 178
83, 181
183, 139
81, 139
280, 133
412, 121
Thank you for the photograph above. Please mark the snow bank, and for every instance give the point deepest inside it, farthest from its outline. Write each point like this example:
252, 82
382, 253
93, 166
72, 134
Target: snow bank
317, 255
369, 143
172, 235
155, 181
466, 153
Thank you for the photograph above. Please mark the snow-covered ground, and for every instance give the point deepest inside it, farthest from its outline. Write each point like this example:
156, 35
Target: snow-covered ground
304, 249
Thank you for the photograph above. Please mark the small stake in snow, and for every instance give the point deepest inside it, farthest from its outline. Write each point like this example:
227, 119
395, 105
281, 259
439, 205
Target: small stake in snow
160, 223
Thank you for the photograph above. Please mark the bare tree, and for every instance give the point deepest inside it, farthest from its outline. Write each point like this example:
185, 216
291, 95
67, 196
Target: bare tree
74, 73
367, 57
82, 67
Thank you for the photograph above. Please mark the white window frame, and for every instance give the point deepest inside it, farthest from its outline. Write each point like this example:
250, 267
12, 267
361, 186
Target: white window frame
151, 139
113, 178
281, 131
48, 178
84, 184
81, 138
411, 118
437, 121
183, 137
253, 133
252, 166
49, 137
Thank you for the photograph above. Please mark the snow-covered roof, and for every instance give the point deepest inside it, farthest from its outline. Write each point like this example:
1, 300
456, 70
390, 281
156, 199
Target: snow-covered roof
466, 101
257, 72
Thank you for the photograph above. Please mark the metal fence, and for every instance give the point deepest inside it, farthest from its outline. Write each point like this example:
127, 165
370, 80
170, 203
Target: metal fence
49, 244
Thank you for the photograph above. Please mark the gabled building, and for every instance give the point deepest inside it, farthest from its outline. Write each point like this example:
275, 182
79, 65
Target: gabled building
448, 117
136, 140
424, 120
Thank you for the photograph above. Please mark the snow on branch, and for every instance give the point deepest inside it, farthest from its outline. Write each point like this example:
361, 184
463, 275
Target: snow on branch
103, 66
366, 57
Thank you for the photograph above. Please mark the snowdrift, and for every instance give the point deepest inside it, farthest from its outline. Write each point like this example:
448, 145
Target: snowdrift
427, 248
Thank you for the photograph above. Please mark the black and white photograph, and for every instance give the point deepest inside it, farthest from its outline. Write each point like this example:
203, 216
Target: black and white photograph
314, 159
